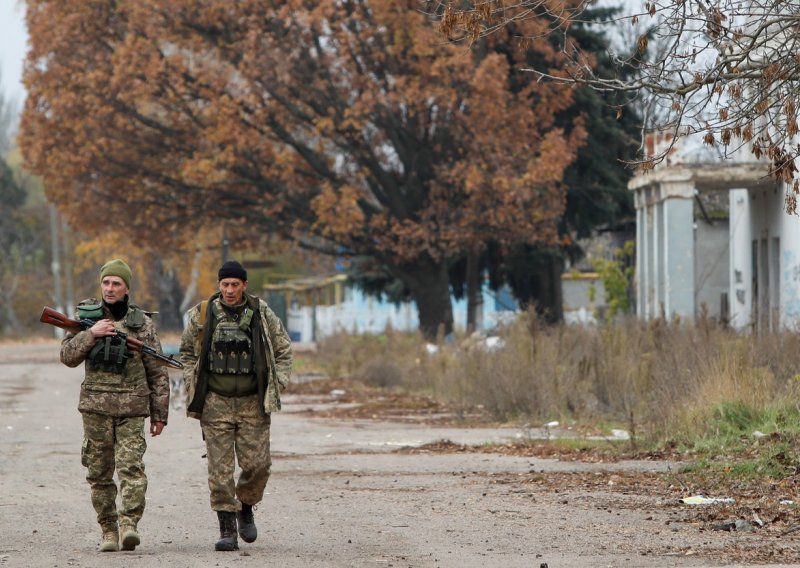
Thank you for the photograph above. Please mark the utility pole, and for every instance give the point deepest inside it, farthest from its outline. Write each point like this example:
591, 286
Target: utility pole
68, 267
55, 266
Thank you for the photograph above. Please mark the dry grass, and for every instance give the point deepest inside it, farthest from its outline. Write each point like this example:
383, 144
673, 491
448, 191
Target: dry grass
649, 377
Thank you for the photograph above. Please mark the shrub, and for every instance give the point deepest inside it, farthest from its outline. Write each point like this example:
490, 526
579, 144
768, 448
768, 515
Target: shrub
664, 378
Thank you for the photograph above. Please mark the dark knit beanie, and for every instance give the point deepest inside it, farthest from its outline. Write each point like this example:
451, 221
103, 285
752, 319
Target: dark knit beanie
232, 269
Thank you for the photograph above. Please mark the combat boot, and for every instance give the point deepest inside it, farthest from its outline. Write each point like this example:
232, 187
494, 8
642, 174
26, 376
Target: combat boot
247, 524
227, 531
130, 538
110, 542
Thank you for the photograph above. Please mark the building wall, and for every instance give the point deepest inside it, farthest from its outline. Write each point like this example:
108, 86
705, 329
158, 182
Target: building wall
584, 298
359, 313
786, 249
780, 233
677, 262
712, 265
765, 267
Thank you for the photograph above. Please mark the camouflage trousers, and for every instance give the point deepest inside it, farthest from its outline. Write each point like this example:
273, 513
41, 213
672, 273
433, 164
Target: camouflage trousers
111, 443
235, 426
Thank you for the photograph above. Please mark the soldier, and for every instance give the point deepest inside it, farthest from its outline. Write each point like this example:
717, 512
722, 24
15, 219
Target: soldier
120, 388
237, 359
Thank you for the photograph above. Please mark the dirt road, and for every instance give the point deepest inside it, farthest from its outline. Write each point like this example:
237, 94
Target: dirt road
340, 496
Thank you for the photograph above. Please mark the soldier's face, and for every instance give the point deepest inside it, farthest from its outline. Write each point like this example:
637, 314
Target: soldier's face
113, 289
232, 290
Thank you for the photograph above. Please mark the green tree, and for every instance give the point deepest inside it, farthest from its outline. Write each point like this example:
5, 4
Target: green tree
617, 277
24, 261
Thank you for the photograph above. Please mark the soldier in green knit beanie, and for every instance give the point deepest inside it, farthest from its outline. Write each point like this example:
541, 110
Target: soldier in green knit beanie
119, 390
119, 268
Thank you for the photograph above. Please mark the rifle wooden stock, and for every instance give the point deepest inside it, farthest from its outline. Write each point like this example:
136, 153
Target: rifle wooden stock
52, 317
56, 318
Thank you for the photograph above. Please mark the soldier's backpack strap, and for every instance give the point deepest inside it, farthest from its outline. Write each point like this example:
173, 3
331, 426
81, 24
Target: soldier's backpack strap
202, 320
247, 316
203, 307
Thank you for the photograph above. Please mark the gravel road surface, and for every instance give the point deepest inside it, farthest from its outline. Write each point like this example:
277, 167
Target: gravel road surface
340, 495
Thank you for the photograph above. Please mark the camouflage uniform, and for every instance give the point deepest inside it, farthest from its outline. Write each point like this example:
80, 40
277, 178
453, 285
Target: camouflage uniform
113, 406
236, 426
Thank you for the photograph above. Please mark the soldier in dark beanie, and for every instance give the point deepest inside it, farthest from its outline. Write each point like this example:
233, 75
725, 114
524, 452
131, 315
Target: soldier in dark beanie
232, 269
238, 358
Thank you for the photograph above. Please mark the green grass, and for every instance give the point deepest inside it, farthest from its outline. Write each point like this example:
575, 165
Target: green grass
740, 440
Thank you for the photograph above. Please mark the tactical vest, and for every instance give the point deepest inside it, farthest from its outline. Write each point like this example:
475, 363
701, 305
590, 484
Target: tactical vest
231, 350
110, 365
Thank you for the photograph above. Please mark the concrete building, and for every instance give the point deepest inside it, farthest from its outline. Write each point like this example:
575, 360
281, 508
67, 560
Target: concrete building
713, 237
316, 307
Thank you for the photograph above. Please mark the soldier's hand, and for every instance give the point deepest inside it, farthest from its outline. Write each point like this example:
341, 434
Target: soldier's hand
103, 328
156, 428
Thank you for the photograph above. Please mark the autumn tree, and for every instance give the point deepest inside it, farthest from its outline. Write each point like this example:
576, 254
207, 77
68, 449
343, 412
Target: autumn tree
595, 183
340, 124
728, 72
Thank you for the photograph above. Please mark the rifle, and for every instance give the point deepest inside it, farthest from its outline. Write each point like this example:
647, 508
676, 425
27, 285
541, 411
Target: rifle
53, 317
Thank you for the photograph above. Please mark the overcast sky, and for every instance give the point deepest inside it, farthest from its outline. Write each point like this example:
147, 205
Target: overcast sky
13, 38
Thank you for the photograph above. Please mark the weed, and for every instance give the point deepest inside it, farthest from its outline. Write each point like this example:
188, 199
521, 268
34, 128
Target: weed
702, 388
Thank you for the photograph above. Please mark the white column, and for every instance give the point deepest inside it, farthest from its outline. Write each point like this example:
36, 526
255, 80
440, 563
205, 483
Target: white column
640, 256
651, 213
741, 276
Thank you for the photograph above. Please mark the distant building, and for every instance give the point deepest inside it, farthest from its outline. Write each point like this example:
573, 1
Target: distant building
583, 294
317, 307
712, 237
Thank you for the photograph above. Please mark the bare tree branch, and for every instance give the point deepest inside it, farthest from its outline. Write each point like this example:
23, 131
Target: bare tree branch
727, 70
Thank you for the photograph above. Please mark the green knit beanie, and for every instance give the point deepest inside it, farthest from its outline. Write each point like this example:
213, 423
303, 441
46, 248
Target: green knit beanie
117, 267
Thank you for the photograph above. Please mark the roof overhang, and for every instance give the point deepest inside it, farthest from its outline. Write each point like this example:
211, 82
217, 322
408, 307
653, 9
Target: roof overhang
708, 176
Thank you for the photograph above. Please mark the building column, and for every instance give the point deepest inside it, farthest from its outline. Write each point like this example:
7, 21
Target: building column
640, 255
678, 236
646, 252
659, 252
741, 263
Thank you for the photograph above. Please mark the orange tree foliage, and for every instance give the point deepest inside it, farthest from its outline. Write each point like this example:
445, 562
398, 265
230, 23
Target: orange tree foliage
346, 125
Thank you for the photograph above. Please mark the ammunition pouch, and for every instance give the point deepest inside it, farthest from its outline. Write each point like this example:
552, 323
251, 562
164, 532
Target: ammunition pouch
91, 310
109, 354
231, 350
134, 319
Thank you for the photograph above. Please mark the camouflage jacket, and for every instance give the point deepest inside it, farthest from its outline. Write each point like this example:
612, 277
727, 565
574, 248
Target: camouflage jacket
272, 356
142, 390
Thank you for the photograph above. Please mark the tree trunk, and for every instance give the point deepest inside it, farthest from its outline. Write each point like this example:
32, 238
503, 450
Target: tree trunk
429, 285
169, 297
535, 279
474, 296
190, 294
9, 323
550, 299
